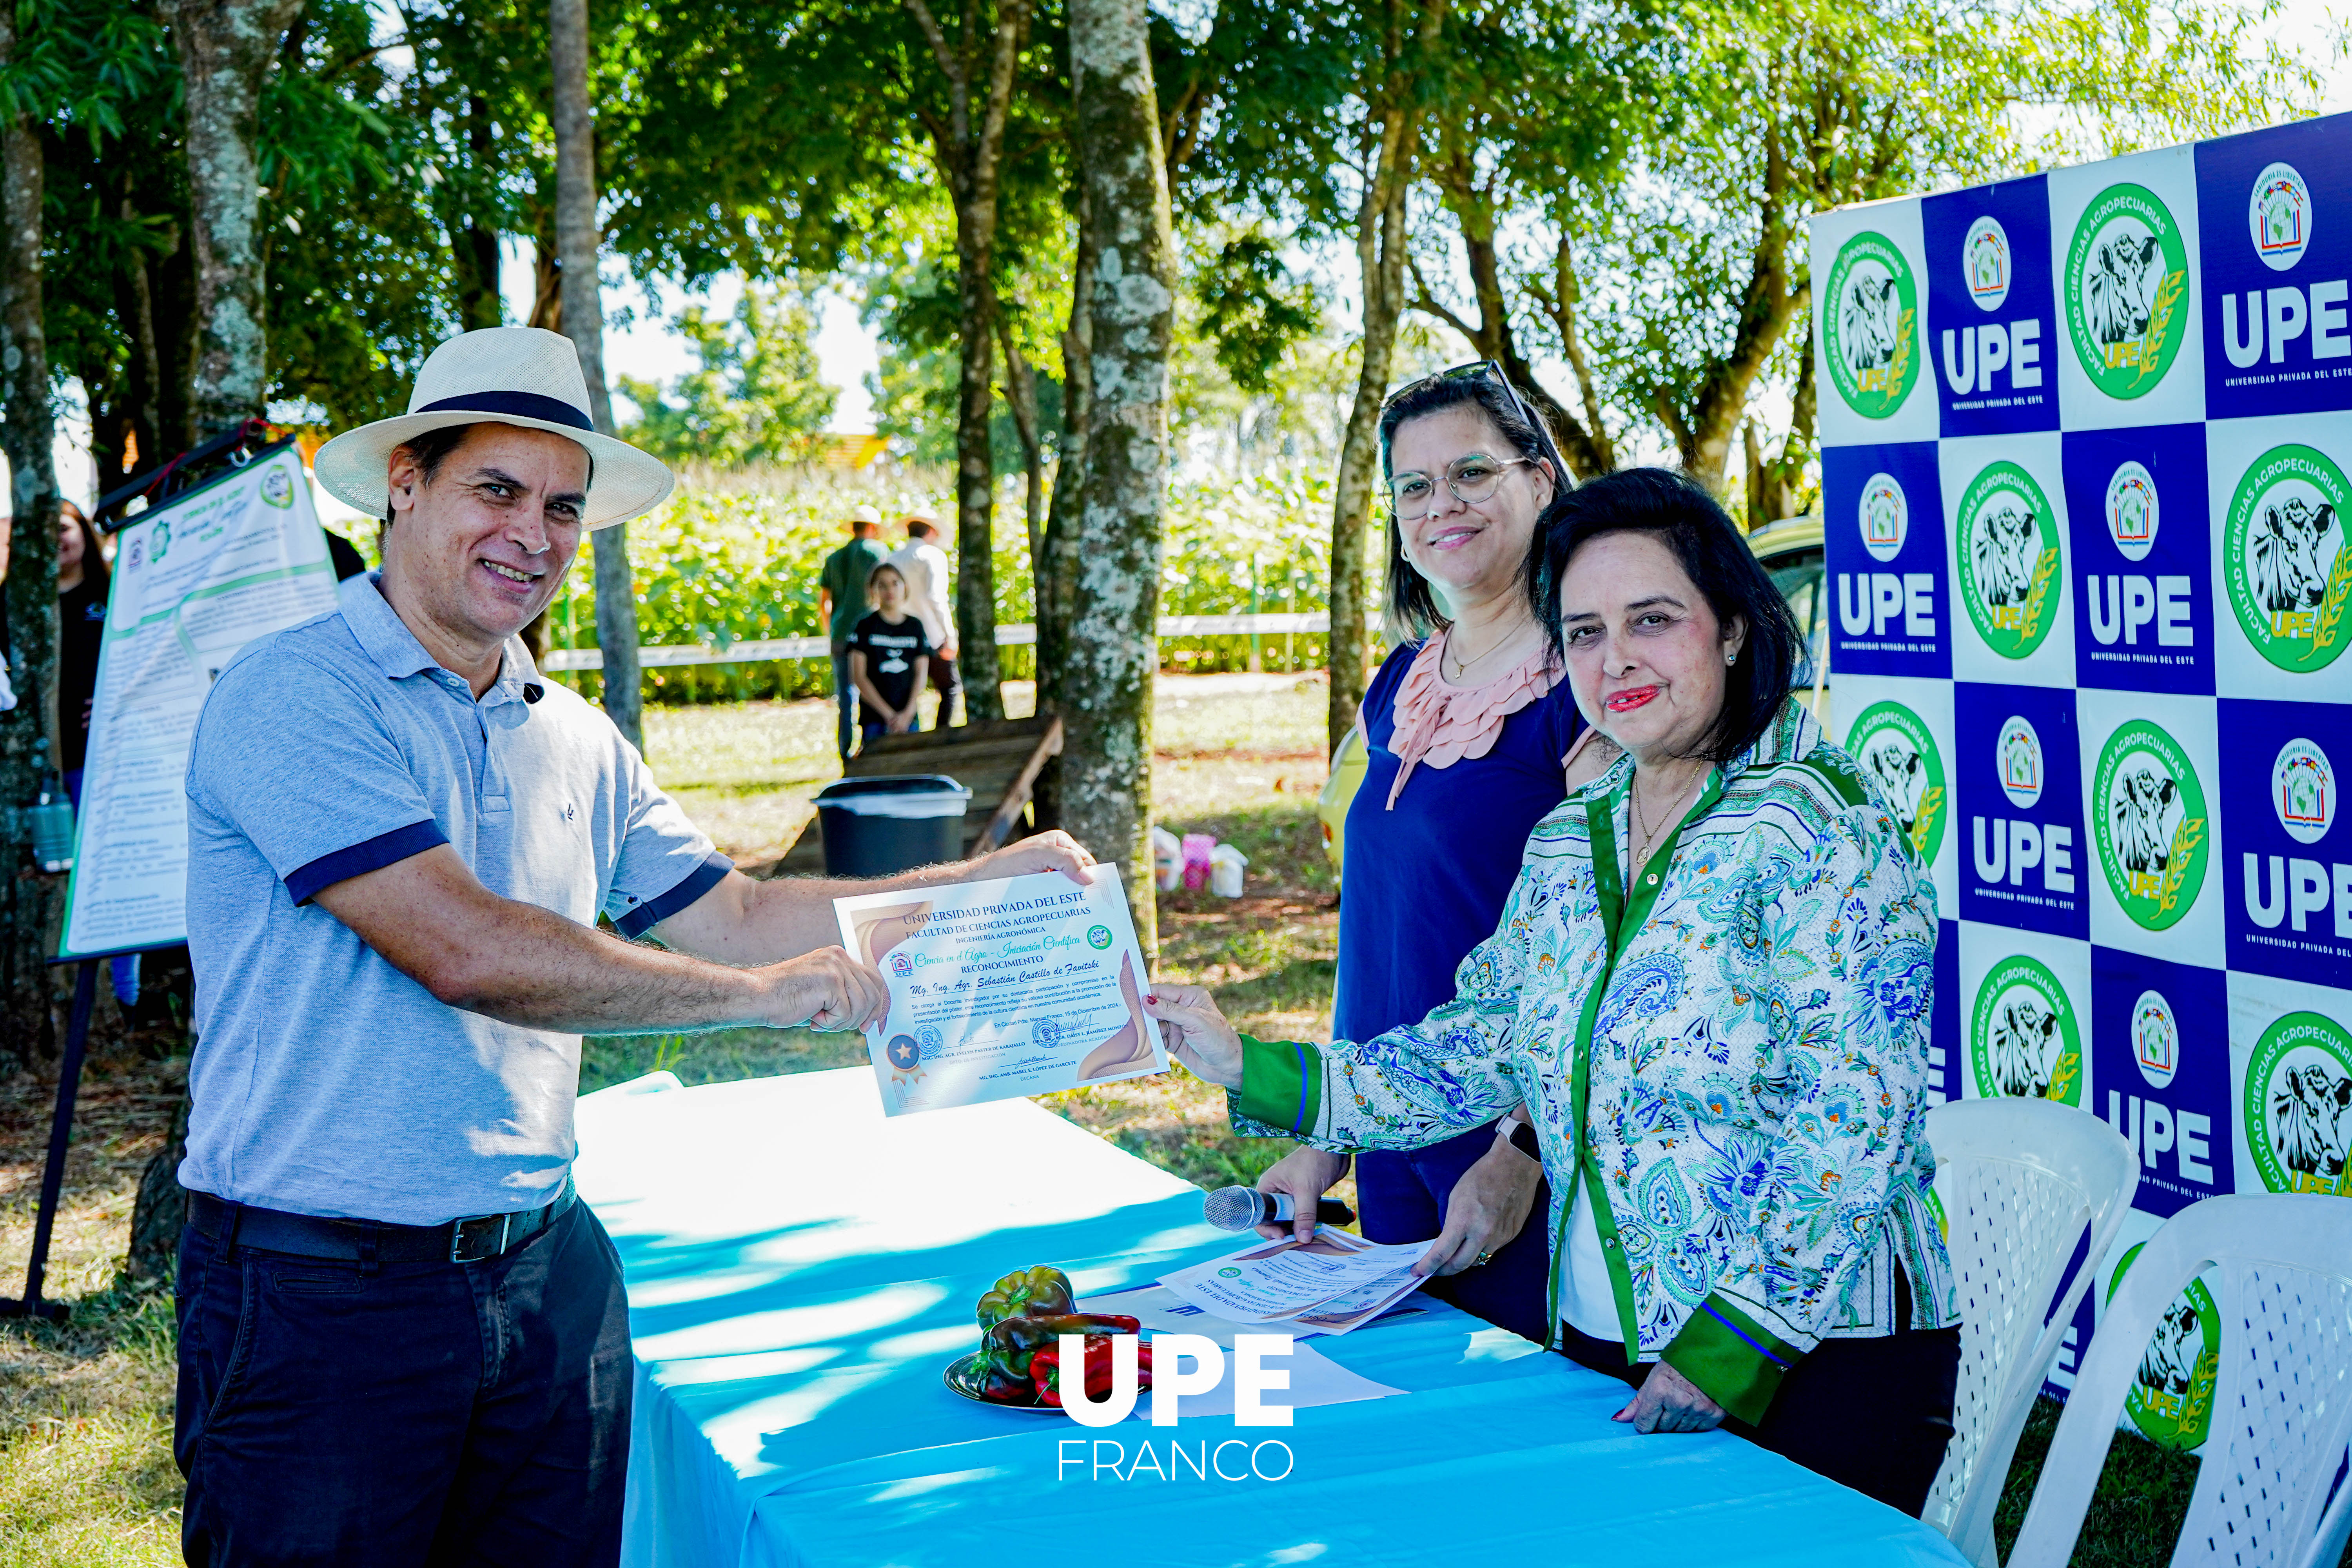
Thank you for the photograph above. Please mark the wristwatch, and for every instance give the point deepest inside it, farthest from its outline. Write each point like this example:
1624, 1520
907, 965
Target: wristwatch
1522, 1137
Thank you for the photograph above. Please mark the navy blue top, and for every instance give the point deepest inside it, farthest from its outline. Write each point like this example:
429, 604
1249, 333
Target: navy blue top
1424, 884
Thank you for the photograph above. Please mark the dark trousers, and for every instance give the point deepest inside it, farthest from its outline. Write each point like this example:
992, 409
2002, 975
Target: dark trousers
1403, 1199
845, 691
1873, 1415
407, 1413
947, 683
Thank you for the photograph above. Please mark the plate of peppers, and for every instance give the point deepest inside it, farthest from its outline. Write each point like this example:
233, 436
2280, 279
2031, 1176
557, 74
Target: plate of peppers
1018, 1365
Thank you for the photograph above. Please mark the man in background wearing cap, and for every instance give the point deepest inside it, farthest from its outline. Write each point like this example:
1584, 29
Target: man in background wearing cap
840, 600
924, 565
400, 1340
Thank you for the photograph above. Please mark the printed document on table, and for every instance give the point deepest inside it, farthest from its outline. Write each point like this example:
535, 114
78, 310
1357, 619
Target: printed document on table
1162, 1311
1001, 989
1332, 1282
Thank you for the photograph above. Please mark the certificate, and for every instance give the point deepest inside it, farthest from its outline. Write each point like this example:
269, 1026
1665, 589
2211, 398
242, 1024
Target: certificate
1014, 986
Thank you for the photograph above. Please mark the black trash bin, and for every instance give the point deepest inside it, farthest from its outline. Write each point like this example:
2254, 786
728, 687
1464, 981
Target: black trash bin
875, 827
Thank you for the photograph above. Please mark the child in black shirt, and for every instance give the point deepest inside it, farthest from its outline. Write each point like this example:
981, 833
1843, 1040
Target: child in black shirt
888, 657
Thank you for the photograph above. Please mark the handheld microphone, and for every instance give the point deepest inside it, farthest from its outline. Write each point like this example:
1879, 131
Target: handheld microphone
1244, 1208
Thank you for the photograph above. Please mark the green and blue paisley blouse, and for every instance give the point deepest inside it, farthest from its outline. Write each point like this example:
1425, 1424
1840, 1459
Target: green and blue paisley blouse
1733, 1051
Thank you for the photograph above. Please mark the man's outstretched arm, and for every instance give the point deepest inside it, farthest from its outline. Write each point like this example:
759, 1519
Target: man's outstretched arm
432, 918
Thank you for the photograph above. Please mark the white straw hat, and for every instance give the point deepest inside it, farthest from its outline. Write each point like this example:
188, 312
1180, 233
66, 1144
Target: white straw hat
504, 376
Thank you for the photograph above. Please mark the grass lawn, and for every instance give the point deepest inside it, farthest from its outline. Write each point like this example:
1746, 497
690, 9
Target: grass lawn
86, 1474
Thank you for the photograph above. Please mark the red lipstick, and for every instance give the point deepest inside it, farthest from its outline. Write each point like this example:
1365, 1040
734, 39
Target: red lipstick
1632, 698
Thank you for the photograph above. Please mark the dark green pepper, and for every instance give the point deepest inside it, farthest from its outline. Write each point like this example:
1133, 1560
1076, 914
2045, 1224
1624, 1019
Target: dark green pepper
1042, 1291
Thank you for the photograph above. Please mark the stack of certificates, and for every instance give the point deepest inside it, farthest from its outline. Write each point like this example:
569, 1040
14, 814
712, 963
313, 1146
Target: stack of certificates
1328, 1285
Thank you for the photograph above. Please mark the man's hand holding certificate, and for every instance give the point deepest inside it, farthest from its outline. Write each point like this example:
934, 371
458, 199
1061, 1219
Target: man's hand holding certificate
1000, 989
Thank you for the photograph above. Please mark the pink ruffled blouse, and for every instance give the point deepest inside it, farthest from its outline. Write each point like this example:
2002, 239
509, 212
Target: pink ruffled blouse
1440, 724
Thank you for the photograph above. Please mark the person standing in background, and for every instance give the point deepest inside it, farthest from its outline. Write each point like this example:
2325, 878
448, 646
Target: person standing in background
7, 692
887, 654
83, 579
841, 601
924, 565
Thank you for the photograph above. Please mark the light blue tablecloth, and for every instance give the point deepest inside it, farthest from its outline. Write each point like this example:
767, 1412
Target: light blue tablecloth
801, 1268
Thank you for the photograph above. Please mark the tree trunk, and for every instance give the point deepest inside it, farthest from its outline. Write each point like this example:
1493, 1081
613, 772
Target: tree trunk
1114, 646
1381, 256
27, 434
584, 322
477, 243
1021, 396
226, 49
975, 579
1056, 565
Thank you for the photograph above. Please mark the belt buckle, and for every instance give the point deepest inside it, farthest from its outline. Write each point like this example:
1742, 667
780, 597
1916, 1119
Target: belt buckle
457, 1237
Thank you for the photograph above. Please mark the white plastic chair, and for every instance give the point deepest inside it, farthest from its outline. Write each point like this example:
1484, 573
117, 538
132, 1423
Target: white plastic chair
2282, 1405
2022, 1181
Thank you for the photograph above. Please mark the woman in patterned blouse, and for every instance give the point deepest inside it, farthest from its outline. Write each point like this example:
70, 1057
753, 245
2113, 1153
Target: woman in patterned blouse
1710, 986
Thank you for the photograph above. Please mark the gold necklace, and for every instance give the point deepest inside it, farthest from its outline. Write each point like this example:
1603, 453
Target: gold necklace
1462, 665
1648, 841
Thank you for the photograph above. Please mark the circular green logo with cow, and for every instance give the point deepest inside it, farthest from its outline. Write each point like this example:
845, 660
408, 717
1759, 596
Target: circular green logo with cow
2284, 554
2171, 1395
2151, 825
2025, 1039
2297, 1109
2009, 559
1098, 936
1894, 747
1872, 315
2127, 288
277, 487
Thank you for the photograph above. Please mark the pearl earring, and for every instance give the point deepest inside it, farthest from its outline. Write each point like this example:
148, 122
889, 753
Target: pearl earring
1731, 658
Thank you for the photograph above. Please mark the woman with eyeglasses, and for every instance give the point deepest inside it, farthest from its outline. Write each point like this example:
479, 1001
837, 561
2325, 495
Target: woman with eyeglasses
1466, 727
1711, 980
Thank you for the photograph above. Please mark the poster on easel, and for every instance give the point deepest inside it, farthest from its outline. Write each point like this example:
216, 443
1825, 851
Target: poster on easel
195, 580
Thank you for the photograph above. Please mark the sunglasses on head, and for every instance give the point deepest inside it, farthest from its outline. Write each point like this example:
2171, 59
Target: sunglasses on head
1480, 370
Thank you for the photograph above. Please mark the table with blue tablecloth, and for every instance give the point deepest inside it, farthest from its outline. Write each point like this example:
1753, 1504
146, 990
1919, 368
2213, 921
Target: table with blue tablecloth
801, 1268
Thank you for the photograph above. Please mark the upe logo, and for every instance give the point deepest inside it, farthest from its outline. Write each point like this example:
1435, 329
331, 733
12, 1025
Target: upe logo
1871, 323
1896, 748
2023, 1040
1885, 517
2155, 1040
2017, 755
901, 965
2303, 791
1984, 262
2278, 214
2298, 1105
2126, 289
2009, 559
2171, 1396
2283, 546
2152, 825
2132, 511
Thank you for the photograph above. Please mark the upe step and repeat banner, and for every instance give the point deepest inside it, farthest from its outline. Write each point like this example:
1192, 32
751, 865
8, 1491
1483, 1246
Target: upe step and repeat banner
2086, 438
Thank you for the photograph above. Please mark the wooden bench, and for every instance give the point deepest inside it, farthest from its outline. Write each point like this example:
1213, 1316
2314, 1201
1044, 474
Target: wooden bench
998, 761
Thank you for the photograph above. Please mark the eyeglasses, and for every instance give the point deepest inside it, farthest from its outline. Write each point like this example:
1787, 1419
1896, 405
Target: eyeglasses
1471, 479
1476, 369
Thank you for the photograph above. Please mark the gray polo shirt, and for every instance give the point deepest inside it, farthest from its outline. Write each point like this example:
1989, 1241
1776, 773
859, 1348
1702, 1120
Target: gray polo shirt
326, 1082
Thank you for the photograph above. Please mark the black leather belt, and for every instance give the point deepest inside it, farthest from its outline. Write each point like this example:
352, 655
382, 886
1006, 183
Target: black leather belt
469, 1240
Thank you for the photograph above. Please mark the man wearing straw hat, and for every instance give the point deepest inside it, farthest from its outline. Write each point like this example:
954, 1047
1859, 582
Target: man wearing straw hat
401, 1340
